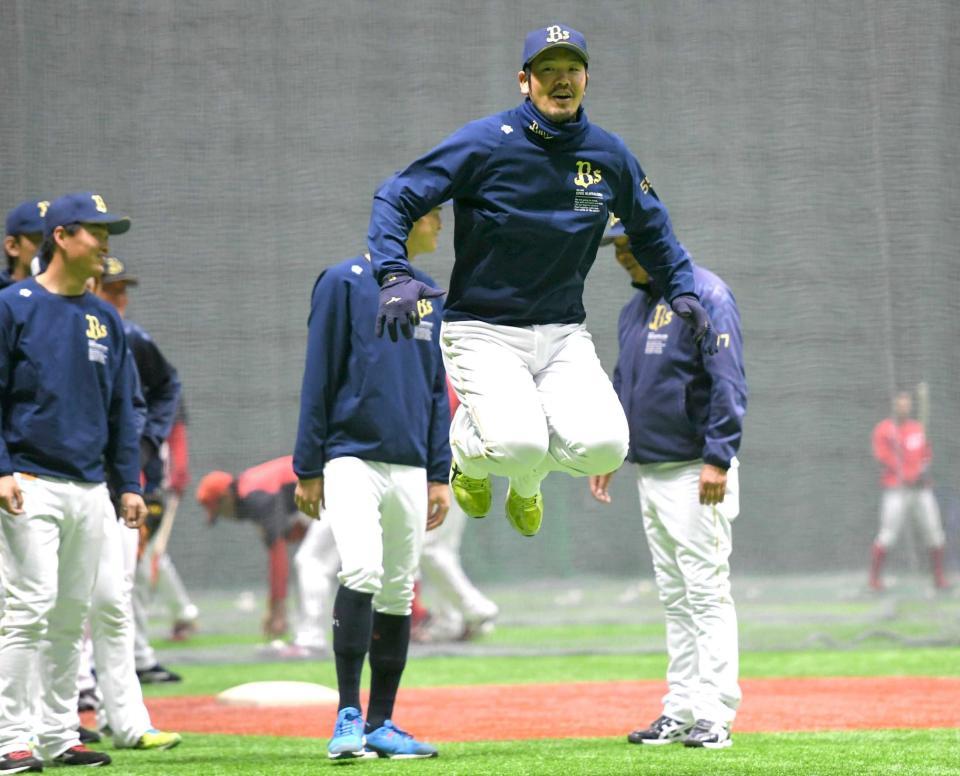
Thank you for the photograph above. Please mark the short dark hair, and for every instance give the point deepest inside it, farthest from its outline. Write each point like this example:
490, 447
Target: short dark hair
49, 245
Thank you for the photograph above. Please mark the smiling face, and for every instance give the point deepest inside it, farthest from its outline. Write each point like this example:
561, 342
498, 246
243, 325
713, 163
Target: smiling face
556, 83
84, 250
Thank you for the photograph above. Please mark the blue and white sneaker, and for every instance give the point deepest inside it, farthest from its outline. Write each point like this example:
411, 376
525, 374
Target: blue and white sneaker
390, 741
347, 741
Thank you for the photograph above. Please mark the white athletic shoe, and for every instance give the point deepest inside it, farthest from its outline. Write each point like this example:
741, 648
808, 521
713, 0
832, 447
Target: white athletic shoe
709, 735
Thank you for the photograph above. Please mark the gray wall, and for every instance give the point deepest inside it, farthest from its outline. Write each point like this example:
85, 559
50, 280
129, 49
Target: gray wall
807, 152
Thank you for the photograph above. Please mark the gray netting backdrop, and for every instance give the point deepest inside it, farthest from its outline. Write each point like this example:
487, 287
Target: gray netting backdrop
807, 152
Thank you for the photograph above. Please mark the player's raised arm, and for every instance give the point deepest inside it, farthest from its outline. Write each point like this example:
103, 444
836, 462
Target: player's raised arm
656, 247
398, 203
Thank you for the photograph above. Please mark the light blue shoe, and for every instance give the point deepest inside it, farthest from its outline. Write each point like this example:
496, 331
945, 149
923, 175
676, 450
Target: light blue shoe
390, 741
347, 741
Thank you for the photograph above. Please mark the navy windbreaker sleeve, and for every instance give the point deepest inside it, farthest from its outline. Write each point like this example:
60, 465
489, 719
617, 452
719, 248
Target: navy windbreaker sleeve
652, 240
123, 442
6, 353
435, 177
139, 403
328, 342
438, 435
161, 388
728, 393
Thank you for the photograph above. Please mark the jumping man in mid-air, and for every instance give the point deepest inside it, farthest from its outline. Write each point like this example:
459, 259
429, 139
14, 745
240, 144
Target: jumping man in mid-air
532, 189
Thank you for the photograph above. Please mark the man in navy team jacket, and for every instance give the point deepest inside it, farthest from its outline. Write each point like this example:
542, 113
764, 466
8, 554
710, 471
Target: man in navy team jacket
686, 418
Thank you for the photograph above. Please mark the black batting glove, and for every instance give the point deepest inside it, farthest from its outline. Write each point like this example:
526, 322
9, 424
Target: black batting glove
688, 307
399, 296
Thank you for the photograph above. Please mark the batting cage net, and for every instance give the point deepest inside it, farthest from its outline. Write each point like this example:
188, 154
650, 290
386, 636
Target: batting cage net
807, 153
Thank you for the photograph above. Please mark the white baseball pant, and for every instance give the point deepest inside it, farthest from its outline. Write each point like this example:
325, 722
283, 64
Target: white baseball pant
920, 503
316, 563
533, 399
50, 556
112, 632
690, 545
171, 592
441, 568
378, 515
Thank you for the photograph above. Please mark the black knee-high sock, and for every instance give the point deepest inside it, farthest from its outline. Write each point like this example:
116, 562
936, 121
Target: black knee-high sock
351, 640
388, 657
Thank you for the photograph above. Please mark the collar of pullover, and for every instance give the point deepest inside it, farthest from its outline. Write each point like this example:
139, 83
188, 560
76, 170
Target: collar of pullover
547, 133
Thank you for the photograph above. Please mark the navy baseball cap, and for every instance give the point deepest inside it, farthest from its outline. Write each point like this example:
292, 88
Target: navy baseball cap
27, 217
614, 230
83, 207
115, 271
554, 36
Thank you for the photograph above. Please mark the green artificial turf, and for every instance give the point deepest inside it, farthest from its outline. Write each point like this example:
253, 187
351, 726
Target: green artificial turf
208, 641
447, 671
862, 753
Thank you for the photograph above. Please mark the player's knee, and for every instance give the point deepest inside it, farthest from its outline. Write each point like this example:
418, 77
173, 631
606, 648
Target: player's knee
110, 616
674, 601
708, 596
364, 578
521, 455
605, 455
306, 566
396, 599
27, 620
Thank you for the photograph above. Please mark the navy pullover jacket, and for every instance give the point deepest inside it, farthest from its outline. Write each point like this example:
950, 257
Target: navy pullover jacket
66, 388
531, 201
159, 382
161, 392
364, 396
680, 406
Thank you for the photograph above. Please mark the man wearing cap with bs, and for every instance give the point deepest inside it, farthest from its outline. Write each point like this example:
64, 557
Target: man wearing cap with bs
24, 233
162, 393
532, 189
68, 421
686, 420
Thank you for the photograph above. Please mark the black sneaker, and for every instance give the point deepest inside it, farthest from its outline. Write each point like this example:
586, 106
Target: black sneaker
80, 755
663, 730
88, 700
18, 762
157, 674
709, 735
88, 736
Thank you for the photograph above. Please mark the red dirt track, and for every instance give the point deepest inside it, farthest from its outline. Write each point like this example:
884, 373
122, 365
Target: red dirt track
588, 709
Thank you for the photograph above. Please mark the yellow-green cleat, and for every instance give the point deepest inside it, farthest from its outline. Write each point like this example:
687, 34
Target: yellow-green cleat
474, 495
157, 740
525, 514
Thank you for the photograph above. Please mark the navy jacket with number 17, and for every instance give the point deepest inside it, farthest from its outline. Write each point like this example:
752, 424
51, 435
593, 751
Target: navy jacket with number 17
680, 406
364, 396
